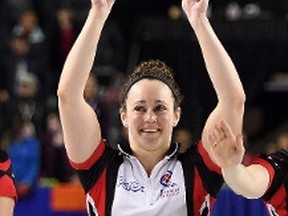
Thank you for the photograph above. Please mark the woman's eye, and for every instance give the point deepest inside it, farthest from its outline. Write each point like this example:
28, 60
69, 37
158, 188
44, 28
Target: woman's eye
160, 108
139, 108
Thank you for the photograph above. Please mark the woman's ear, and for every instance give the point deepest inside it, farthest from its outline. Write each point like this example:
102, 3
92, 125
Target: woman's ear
177, 116
123, 117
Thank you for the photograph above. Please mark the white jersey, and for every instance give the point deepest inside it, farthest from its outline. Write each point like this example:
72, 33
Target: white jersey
161, 193
116, 183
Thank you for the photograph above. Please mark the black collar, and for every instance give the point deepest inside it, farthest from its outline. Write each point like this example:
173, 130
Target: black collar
125, 149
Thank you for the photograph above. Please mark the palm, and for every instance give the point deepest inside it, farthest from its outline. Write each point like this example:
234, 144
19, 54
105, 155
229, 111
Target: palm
226, 155
102, 4
195, 8
225, 149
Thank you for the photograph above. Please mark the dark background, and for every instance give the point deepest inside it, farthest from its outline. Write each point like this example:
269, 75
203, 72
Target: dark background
258, 46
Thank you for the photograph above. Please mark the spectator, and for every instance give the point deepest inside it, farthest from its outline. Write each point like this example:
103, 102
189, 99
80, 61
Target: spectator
27, 104
28, 27
55, 163
32, 54
93, 94
20, 59
61, 37
24, 151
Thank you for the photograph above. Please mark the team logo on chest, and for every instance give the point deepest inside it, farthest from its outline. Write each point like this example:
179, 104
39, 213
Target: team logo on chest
170, 189
132, 186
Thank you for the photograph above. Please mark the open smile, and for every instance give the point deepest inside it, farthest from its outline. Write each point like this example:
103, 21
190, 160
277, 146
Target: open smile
150, 130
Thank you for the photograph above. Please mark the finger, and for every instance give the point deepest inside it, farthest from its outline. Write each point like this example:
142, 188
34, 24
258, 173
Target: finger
184, 4
96, 1
211, 140
213, 143
111, 2
221, 131
227, 130
216, 136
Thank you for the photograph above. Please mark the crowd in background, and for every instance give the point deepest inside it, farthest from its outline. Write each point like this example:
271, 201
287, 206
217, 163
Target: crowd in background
35, 40
36, 37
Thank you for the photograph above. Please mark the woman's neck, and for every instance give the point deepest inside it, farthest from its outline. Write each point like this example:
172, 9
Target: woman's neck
149, 159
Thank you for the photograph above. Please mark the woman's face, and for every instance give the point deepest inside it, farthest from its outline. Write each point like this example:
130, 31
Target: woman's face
150, 116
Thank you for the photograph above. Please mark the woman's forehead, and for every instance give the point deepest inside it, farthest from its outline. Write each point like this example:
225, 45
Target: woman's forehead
150, 89
149, 101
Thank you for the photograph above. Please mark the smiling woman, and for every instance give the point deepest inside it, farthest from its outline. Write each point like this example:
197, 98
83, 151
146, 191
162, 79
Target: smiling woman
147, 175
150, 110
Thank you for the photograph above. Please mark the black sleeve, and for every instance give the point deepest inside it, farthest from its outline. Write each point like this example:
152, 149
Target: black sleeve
89, 177
279, 161
3, 156
7, 169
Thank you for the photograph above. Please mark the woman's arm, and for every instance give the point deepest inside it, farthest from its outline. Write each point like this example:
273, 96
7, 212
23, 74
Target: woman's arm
81, 129
221, 70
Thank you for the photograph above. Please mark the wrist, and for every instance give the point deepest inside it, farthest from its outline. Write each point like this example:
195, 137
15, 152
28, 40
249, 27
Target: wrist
198, 21
231, 168
98, 14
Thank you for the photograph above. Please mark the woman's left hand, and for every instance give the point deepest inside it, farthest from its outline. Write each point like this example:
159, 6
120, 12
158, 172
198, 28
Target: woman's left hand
195, 9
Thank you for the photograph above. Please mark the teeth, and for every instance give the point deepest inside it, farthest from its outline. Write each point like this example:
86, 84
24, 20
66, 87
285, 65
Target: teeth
149, 130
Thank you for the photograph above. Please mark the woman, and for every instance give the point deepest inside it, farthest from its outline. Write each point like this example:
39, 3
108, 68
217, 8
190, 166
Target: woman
8, 194
147, 176
266, 177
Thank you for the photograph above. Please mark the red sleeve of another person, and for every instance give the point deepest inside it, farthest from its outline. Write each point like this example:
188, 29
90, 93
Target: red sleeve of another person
7, 183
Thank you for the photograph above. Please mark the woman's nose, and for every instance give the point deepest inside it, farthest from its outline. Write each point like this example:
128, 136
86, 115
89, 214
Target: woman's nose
150, 117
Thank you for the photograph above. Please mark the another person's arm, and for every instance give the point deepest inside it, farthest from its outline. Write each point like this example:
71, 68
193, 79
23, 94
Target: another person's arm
8, 195
221, 70
7, 205
227, 151
81, 128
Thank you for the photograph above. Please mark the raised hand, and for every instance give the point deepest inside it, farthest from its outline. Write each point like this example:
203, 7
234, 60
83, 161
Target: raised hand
195, 9
102, 5
226, 149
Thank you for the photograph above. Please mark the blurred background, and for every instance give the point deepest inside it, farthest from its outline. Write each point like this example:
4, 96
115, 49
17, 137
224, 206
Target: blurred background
36, 36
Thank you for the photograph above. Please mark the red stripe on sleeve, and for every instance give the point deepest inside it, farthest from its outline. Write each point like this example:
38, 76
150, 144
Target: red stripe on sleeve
206, 158
98, 194
5, 165
267, 165
7, 187
92, 159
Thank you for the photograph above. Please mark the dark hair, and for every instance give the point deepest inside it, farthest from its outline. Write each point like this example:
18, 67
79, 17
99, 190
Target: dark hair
153, 70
